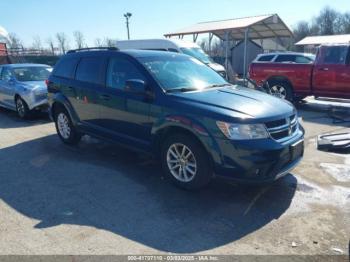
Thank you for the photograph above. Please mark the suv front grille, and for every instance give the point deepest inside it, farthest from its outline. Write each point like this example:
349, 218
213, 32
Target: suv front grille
282, 129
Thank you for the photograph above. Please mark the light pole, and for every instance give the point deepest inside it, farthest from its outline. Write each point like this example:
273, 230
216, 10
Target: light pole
127, 17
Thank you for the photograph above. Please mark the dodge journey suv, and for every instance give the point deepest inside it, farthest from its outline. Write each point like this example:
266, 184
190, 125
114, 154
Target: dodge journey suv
178, 109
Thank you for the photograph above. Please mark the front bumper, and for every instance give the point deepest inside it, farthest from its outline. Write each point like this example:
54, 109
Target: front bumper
36, 100
261, 161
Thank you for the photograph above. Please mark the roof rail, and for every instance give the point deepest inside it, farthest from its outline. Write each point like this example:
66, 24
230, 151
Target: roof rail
92, 49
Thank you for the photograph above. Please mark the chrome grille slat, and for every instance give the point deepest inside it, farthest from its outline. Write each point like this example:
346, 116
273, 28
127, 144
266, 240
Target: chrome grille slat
284, 131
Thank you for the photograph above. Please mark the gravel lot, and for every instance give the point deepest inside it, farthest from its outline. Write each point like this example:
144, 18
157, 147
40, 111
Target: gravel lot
97, 198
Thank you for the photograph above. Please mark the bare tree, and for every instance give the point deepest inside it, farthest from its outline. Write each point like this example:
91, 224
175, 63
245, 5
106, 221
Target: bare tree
327, 21
37, 45
109, 42
98, 42
62, 42
51, 44
14, 41
344, 23
79, 39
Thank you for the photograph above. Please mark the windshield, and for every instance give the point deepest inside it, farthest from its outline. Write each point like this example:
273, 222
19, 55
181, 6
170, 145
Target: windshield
198, 53
178, 71
32, 73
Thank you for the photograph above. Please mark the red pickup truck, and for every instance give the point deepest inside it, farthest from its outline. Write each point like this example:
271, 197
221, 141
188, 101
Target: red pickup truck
327, 76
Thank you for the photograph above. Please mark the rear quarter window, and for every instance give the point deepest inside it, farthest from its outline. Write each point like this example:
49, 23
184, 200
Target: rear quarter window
266, 58
65, 68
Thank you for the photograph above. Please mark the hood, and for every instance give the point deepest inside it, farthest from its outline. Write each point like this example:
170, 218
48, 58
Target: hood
236, 101
216, 67
34, 85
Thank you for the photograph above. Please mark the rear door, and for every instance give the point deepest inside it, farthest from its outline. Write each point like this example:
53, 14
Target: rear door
89, 79
331, 75
124, 115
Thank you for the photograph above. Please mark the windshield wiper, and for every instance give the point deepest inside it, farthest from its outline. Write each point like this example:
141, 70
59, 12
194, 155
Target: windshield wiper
182, 89
218, 85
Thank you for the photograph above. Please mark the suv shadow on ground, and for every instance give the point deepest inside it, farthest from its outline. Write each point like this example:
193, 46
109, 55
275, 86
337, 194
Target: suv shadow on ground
109, 188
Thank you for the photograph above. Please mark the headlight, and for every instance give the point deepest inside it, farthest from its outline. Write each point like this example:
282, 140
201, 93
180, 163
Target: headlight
243, 131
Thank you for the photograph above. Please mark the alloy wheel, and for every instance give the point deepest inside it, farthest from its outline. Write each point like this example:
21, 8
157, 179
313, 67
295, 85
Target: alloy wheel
181, 162
279, 91
63, 125
20, 107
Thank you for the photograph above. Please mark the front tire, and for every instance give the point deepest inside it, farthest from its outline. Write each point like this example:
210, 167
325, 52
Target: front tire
22, 108
65, 128
185, 162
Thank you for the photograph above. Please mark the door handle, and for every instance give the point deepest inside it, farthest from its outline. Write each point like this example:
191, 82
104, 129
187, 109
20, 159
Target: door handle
324, 69
105, 97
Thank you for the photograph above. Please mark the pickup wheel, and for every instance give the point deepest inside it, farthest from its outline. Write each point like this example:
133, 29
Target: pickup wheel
282, 90
185, 162
65, 128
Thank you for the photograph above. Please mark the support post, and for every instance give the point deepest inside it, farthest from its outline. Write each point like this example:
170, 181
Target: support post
210, 39
245, 61
226, 51
276, 44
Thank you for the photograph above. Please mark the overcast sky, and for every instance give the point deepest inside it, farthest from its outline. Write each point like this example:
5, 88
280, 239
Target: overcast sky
151, 18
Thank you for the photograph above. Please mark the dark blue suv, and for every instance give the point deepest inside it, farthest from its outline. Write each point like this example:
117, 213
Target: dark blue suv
180, 110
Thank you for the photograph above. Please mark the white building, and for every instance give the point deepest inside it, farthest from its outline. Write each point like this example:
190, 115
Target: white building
3, 35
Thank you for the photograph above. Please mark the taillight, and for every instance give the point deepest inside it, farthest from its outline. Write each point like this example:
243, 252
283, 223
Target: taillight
47, 82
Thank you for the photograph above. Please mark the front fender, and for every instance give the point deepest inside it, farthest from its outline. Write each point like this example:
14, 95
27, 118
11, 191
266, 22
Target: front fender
191, 125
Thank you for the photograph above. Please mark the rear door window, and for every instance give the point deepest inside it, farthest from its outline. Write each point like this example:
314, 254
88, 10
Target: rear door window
336, 55
65, 68
120, 70
90, 70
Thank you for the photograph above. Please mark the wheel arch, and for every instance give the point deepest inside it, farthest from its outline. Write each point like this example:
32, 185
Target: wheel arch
283, 79
202, 138
61, 101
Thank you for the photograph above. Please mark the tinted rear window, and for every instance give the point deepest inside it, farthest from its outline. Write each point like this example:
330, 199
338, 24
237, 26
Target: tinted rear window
266, 58
65, 67
90, 70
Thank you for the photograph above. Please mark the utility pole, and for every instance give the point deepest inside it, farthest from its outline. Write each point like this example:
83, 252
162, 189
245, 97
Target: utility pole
127, 17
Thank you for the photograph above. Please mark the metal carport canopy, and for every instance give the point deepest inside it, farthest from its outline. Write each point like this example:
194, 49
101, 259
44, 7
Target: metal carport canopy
254, 27
260, 27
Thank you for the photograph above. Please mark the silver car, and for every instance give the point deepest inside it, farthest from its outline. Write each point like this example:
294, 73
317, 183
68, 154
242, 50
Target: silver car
23, 88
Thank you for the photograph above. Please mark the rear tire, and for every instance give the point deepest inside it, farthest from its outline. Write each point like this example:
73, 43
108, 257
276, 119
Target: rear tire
281, 89
185, 162
65, 128
22, 108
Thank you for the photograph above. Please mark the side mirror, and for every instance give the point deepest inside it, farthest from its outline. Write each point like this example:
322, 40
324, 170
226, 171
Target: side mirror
135, 86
